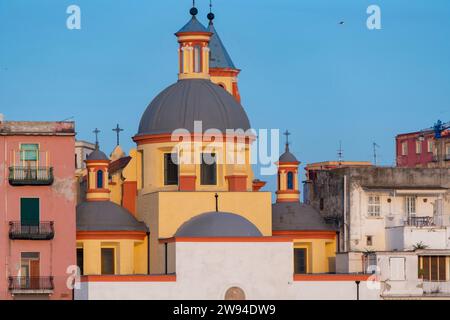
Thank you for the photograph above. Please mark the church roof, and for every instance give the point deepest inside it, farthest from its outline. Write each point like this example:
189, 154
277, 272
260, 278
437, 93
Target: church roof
106, 216
97, 155
191, 100
193, 26
218, 224
219, 57
297, 216
288, 157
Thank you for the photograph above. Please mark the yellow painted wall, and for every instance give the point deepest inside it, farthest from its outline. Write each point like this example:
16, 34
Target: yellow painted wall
153, 164
130, 255
320, 254
225, 81
165, 212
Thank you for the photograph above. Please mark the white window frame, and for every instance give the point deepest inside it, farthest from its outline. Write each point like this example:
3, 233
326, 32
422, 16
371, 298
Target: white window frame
418, 147
411, 206
430, 145
404, 148
374, 205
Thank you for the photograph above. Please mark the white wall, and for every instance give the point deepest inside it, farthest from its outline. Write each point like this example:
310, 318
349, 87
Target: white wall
206, 270
393, 214
395, 282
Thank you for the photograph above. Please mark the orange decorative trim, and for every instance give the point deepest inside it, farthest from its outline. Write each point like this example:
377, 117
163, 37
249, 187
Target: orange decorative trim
293, 163
331, 277
287, 192
167, 137
129, 196
237, 183
187, 183
191, 33
307, 234
106, 162
224, 72
258, 185
97, 199
226, 239
100, 235
129, 278
98, 191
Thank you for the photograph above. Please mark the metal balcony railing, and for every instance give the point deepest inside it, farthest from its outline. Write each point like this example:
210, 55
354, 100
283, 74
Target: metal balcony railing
420, 222
30, 175
24, 231
30, 283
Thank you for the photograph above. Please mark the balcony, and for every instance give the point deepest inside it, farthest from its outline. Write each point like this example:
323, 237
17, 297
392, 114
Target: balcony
420, 222
38, 176
41, 231
30, 285
447, 157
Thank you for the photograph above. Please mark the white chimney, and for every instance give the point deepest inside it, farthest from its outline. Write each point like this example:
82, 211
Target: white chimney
2, 117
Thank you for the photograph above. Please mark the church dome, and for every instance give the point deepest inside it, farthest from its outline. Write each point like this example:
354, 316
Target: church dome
288, 157
106, 216
191, 100
218, 224
97, 155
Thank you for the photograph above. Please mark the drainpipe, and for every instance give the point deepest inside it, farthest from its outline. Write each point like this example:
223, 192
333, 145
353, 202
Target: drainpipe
148, 253
344, 231
165, 258
357, 289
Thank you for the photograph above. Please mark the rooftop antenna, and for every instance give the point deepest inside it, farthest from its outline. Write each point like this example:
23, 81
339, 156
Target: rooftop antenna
375, 146
287, 134
118, 129
67, 119
340, 153
217, 202
96, 132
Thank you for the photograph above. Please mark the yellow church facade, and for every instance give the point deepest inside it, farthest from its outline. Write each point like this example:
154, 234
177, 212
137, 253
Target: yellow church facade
167, 183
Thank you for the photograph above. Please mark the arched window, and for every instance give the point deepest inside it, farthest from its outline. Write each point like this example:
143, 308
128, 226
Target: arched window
290, 181
99, 179
197, 59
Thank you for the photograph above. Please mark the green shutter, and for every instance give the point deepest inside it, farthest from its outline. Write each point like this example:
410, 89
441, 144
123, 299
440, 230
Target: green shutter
29, 211
29, 152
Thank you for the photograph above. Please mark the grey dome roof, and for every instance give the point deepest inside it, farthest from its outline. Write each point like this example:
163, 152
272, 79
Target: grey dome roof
106, 216
288, 157
218, 224
97, 155
193, 26
191, 100
297, 216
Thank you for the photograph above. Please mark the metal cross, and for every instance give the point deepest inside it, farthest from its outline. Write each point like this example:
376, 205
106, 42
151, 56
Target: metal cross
118, 130
287, 134
96, 131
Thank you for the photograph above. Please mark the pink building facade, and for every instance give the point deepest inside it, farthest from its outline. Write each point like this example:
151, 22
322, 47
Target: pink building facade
37, 209
414, 149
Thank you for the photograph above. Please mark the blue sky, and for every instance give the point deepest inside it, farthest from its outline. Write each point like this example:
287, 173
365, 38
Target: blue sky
301, 70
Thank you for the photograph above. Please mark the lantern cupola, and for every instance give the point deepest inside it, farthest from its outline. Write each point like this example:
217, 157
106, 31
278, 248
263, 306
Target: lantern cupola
97, 164
288, 186
194, 49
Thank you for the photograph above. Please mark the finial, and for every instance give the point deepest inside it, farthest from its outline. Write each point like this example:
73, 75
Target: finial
287, 134
217, 202
118, 130
211, 15
194, 10
96, 132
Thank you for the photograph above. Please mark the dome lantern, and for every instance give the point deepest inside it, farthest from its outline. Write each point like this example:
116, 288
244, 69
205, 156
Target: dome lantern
288, 186
97, 164
194, 49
